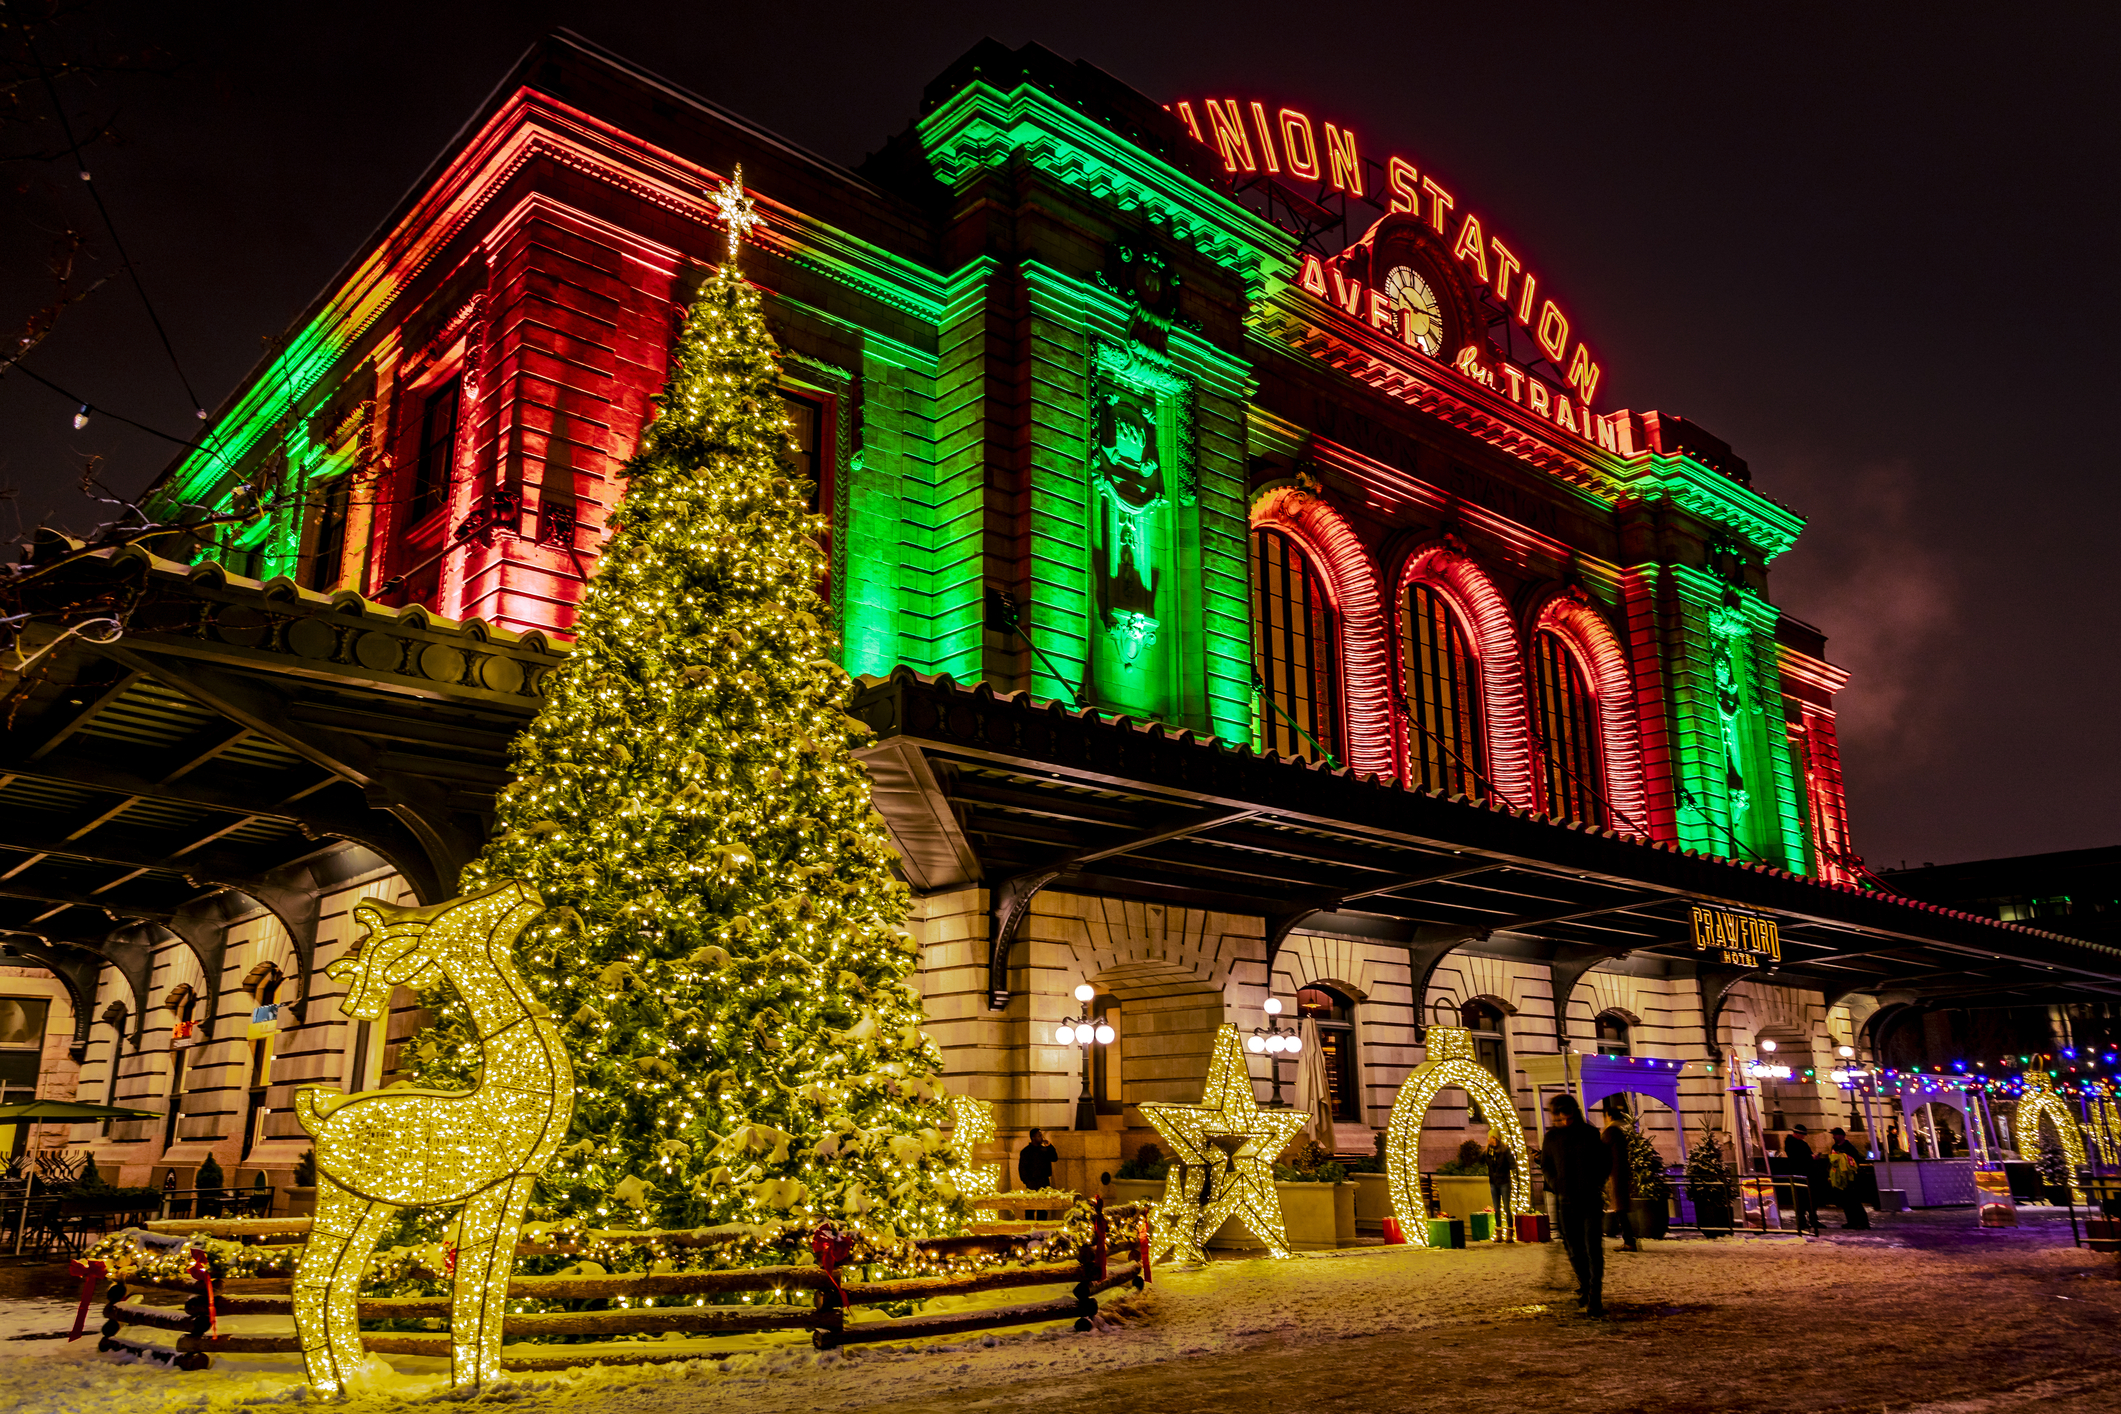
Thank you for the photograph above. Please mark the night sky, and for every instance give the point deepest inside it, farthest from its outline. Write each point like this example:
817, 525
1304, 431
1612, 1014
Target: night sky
1873, 247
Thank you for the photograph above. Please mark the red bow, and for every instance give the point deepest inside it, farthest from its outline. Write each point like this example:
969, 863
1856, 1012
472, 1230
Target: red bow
831, 1247
90, 1273
203, 1273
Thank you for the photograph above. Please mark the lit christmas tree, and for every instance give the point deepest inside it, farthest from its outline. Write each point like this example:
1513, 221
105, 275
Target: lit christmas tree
724, 942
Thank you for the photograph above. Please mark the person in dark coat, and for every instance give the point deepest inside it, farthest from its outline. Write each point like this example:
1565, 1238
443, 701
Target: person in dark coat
1501, 1164
1850, 1197
1577, 1169
1034, 1165
1621, 1161
1804, 1165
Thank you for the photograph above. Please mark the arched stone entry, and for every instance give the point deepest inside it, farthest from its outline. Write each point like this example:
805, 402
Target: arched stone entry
1450, 1064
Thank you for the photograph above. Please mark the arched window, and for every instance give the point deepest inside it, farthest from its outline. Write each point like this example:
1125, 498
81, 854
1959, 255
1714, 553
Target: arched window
1334, 1016
1568, 732
1485, 1022
1446, 744
1613, 1035
1293, 636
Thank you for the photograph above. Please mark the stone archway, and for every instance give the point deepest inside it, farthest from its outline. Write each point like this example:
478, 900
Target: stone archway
1450, 1065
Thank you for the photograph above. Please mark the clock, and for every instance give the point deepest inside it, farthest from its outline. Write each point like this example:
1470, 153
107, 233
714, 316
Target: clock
1420, 309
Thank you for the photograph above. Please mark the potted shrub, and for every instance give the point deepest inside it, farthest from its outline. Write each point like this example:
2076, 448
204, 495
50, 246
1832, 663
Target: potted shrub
1652, 1204
302, 1187
1710, 1184
1141, 1178
208, 1182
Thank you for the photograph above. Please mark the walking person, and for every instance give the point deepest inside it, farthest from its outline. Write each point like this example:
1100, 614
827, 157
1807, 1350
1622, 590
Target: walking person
1805, 1171
1845, 1173
1501, 1164
1577, 1170
1620, 1185
1034, 1166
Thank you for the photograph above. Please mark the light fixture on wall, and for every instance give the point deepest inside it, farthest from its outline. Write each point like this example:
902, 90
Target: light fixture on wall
1768, 1046
1275, 1041
1085, 1031
1845, 1052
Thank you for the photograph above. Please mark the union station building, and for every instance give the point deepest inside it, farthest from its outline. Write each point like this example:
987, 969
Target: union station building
1255, 591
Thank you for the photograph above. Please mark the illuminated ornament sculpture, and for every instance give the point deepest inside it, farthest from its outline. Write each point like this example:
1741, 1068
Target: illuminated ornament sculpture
1224, 1150
2038, 1099
973, 1126
1450, 1065
480, 1149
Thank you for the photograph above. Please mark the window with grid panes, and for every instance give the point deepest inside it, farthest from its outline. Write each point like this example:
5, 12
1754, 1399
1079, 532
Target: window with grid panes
1567, 716
1293, 629
431, 459
1446, 740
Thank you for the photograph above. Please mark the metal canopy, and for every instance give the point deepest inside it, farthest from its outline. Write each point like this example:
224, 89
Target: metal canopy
1019, 796
174, 733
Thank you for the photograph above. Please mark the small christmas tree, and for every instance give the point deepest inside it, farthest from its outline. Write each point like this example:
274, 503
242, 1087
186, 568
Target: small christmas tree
723, 943
2049, 1156
1708, 1174
1646, 1165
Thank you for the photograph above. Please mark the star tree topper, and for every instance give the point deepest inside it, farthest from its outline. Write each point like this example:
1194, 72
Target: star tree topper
736, 208
1225, 1148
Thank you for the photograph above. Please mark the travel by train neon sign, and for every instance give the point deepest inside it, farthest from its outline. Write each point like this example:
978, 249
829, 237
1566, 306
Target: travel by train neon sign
1251, 142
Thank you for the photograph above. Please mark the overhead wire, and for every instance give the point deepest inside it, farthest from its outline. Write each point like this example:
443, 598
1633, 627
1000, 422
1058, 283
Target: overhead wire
132, 272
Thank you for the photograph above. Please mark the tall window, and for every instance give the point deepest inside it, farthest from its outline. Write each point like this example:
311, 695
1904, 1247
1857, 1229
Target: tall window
1445, 742
1613, 1035
1292, 651
1485, 1022
1568, 732
1106, 1061
1334, 1016
330, 544
431, 459
21, 1049
805, 419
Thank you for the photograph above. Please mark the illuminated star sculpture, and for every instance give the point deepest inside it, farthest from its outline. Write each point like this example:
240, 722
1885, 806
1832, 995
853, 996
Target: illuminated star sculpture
1224, 1168
735, 206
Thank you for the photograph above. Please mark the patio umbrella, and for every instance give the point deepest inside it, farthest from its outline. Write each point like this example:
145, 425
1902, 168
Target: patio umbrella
66, 1112
1313, 1096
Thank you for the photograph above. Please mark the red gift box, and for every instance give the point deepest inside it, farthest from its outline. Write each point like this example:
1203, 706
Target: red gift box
1534, 1227
1393, 1236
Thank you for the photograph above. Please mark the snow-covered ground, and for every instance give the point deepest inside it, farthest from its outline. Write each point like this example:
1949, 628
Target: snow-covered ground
1734, 1314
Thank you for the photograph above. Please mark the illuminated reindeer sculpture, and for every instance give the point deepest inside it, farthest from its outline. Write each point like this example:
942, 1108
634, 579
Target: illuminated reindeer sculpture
479, 1149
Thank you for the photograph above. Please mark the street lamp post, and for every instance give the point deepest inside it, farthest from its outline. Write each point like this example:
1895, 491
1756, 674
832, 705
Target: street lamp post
1274, 1041
1085, 1031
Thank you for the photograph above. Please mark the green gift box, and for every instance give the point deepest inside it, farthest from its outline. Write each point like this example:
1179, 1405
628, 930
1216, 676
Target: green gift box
1477, 1227
1447, 1232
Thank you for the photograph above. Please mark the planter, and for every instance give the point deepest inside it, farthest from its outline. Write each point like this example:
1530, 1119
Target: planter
1653, 1216
1714, 1219
1137, 1190
1373, 1200
1314, 1215
1461, 1195
302, 1201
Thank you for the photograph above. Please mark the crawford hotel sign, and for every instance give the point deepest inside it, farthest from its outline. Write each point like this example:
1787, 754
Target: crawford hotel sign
1404, 288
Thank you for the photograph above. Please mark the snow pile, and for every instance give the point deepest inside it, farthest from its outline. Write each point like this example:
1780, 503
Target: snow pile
1314, 1299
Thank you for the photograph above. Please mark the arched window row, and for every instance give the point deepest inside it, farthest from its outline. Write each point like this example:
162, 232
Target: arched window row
1475, 703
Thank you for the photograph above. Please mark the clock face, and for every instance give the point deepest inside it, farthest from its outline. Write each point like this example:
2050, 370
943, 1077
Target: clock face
1419, 307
